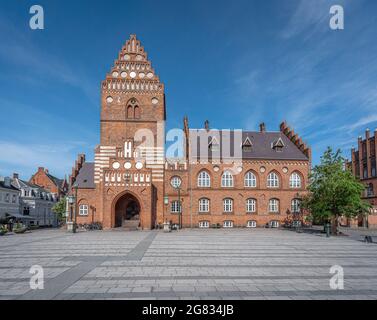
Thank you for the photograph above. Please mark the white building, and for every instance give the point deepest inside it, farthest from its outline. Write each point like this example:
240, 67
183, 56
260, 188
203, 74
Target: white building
36, 203
9, 198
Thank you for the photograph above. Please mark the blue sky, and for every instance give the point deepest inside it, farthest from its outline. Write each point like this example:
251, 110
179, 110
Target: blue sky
235, 63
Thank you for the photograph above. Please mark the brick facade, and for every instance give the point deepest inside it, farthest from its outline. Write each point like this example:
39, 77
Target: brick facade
130, 178
364, 166
45, 180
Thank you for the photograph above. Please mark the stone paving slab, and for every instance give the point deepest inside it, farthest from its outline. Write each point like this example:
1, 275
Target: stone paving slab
189, 264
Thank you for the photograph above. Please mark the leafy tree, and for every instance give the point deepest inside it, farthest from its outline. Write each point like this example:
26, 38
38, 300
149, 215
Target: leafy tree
334, 191
60, 209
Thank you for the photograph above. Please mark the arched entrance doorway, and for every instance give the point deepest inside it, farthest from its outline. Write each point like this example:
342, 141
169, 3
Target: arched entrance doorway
127, 211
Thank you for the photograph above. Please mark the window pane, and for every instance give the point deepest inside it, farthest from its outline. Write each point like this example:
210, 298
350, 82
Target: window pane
272, 180
204, 179
250, 180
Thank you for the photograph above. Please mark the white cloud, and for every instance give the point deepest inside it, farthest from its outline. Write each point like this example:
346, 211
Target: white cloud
26, 158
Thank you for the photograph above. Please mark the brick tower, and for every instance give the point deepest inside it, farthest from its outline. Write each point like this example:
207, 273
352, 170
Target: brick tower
129, 162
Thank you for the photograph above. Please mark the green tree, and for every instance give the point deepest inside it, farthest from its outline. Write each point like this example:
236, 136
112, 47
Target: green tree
334, 191
60, 209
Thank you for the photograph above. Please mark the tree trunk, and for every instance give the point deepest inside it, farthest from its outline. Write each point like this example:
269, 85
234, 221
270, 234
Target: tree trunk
334, 225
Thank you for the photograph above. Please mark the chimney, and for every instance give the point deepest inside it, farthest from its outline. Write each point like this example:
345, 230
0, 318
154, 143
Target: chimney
46, 170
206, 125
15, 175
7, 182
367, 134
41, 169
262, 127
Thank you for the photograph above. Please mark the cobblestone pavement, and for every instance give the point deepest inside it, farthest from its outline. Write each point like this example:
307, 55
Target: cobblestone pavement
189, 264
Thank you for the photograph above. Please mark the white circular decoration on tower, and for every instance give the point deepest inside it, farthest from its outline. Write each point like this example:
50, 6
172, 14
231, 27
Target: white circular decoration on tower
262, 169
116, 165
139, 57
109, 99
123, 74
126, 57
239, 169
127, 165
132, 74
139, 165
216, 168
141, 75
150, 75
154, 101
285, 170
115, 74
176, 182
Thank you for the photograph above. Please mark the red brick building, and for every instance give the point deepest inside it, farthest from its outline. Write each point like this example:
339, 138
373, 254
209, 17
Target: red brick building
225, 178
363, 166
47, 181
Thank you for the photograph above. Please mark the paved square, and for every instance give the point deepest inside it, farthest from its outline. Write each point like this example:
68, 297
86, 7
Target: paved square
189, 264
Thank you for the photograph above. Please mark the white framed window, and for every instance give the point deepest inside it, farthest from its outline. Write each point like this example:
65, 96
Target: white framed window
274, 224
228, 205
7, 197
251, 224
203, 205
251, 205
273, 205
250, 180
204, 224
14, 198
83, 210
227, 180
175, 182
273, 180
295, 180
295, 205
228, 224
175, 207
204, 179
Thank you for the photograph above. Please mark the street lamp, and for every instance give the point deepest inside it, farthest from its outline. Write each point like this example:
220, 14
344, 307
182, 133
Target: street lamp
72, 200
176, 183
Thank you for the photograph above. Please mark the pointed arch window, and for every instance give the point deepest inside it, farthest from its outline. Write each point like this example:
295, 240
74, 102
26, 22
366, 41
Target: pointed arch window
204, 179
250, 180
129, 112
273, 180
295, 180
137, 112
227, 179
133, 109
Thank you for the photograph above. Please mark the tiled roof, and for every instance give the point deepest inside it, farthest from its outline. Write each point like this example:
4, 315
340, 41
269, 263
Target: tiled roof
262, 145
58, 182
85, 178
2, 185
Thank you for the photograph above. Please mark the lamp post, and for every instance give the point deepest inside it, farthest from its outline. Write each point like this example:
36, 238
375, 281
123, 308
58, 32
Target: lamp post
70, 224
72, 200
177, 186
75, 186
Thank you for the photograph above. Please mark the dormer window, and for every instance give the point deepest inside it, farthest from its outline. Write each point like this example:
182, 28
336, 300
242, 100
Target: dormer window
247, 145
278, 145
214, 145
